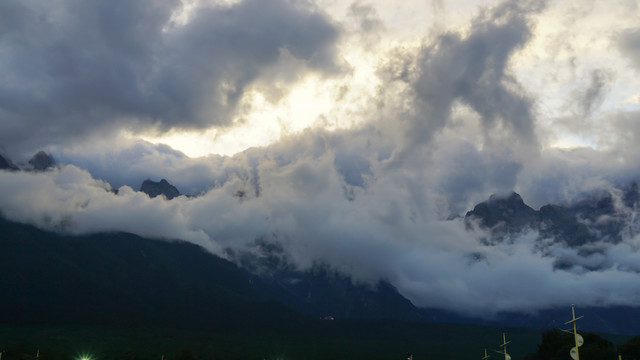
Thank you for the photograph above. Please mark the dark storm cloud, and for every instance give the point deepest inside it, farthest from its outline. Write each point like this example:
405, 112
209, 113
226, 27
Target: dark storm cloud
74, 68
473, 69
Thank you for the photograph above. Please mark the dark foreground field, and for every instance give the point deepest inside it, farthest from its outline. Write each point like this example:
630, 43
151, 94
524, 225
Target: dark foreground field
322, 340
316, 340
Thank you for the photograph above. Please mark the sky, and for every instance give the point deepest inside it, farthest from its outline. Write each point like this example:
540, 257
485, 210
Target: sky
354, 130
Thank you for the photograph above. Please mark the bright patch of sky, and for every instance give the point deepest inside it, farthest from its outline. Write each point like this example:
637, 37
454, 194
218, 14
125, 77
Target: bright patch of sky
571, 42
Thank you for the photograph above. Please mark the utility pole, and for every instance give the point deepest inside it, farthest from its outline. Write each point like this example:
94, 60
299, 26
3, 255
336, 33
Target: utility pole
486, 357
575, 354
504, 347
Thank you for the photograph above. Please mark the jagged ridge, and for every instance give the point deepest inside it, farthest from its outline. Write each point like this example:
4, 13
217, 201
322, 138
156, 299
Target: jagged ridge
598, 217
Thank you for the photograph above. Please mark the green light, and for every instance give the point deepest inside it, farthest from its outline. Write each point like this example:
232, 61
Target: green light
85, 357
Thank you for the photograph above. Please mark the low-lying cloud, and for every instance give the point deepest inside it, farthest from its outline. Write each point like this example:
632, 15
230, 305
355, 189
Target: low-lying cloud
377, 233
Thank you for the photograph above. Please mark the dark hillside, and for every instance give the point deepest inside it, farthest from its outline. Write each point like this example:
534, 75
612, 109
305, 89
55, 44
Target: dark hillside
122, 279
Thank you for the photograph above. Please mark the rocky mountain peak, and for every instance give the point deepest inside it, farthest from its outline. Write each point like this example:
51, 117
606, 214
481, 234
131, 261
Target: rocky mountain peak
6, 164
505, 211
596, 217
163, 187
41, 162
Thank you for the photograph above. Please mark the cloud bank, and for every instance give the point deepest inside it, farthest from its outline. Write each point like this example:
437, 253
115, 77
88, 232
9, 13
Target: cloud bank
449, 123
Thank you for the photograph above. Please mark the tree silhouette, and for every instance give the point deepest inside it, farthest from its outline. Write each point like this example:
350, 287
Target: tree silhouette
555, 345
631, 349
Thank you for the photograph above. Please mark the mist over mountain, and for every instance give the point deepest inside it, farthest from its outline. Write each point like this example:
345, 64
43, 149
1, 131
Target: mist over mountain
547, 257
585, 237
590, 224
321, 291
41, 161
122, 279
598, 217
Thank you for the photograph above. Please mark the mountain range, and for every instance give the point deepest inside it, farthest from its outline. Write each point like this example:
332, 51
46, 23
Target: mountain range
595, 217
124, 279
41, 161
